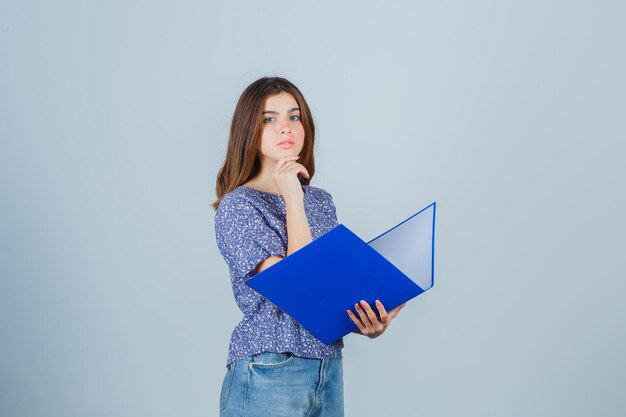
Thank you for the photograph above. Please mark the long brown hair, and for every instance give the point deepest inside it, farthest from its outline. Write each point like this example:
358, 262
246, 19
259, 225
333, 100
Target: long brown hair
242, 155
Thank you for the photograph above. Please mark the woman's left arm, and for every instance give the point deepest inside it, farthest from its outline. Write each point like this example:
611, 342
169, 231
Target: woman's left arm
368, 323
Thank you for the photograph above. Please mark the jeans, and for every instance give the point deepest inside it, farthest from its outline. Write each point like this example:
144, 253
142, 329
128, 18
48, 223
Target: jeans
281, 384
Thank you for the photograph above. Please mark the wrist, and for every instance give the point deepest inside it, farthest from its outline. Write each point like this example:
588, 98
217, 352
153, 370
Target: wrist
296, 203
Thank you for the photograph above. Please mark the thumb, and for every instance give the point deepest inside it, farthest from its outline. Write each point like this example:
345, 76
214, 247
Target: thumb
393, 313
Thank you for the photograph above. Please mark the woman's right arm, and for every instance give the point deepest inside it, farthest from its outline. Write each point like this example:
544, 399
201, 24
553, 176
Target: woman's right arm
298, 232
285, 176
266, 264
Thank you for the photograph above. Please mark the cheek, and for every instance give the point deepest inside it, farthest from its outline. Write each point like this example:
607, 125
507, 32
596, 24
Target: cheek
301, 131
266, 139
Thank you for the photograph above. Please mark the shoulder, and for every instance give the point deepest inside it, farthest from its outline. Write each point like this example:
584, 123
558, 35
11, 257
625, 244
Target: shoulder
322, 202
246, 197
235, 198
237, 206
323, 199
318, 193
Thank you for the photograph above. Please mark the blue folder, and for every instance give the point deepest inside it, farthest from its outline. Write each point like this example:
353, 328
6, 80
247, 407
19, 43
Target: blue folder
318, 283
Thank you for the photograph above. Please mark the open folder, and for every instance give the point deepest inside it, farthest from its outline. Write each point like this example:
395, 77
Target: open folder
318, 283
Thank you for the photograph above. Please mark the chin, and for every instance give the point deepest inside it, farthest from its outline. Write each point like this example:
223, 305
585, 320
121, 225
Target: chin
288, 154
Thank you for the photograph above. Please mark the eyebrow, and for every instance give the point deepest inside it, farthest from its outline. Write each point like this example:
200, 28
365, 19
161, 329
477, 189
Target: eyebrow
275, 112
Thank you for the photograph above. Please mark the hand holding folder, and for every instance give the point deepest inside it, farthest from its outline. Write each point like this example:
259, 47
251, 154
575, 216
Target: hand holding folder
369, 321
318, 283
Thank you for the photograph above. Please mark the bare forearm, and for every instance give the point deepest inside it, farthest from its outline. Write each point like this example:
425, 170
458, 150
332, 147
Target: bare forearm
298, 232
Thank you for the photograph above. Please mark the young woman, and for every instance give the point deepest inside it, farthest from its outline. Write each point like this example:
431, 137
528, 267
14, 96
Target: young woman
267, 210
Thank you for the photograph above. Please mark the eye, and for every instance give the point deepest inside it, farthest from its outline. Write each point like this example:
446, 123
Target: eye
295, 116
267, 119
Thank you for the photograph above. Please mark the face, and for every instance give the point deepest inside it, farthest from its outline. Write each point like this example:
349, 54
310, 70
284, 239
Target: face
283, 133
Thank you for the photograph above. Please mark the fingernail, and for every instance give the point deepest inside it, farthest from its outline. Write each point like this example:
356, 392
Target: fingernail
377, 301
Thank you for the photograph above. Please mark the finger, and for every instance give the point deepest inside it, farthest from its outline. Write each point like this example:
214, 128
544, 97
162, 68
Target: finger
284, 160
285, 165
288, 166
366, 321
393, 313
300, 169
378, 326
383, 313
289, 158
296, 168
356, 321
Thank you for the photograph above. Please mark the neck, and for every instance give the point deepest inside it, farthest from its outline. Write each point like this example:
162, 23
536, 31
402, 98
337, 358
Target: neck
263, 180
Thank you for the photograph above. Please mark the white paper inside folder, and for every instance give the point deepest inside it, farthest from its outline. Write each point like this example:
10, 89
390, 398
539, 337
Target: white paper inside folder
409, 246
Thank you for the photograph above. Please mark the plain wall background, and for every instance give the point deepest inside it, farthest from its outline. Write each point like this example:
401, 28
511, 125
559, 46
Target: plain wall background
114, 116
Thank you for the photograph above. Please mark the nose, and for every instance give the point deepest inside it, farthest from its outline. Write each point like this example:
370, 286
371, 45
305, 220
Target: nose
285, 128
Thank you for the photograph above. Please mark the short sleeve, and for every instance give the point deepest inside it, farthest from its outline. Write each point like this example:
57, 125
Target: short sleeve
244, 237
329, 206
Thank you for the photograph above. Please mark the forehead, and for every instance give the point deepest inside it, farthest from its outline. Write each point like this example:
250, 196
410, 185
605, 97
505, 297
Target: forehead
282, 101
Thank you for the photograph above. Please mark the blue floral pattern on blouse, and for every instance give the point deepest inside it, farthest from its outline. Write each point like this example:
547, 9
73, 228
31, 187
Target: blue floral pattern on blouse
250, 226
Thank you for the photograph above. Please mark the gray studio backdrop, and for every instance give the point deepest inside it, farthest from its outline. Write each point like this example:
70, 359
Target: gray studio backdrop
114, 300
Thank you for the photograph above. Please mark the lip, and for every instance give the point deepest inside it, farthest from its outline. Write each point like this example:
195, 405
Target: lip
285, 143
